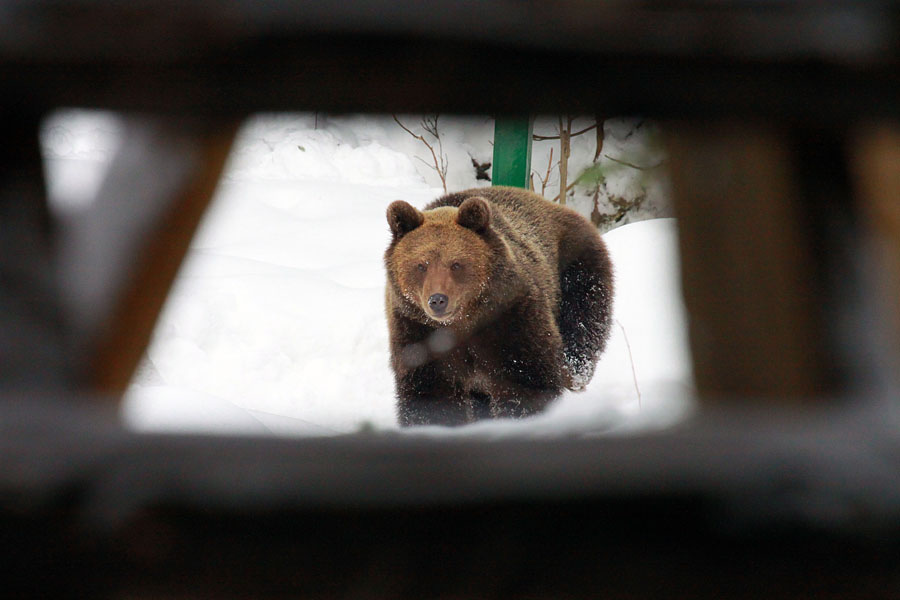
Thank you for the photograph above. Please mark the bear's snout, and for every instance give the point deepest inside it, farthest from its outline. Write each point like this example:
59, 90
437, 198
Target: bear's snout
437, 304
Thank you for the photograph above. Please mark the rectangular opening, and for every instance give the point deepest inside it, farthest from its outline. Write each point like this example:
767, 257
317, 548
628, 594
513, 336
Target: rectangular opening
276, 323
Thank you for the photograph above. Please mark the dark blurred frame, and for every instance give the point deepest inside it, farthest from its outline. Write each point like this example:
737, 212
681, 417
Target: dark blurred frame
782, 128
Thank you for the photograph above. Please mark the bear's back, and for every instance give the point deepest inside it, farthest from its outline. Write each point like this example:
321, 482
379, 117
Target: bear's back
529, 221
514, 204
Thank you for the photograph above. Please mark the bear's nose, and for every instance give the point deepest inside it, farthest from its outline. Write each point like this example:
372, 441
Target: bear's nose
438, 303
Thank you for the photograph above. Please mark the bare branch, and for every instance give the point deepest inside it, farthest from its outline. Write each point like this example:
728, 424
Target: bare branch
599, 146
633, 166
631, 358
585, 130
431, 125
564, 152
637, 125
541, 138
440, 166
546, 178
434, 131
406, 129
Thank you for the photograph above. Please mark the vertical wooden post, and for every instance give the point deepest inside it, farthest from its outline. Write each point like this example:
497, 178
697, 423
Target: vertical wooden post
565, 151
747, 263
33, 351
876, 167
512, 151
126, 332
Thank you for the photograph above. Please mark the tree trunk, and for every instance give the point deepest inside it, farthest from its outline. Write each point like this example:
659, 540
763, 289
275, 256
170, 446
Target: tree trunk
565, 132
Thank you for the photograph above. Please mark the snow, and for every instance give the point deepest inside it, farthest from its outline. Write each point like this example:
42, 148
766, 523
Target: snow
77, 147
276, 324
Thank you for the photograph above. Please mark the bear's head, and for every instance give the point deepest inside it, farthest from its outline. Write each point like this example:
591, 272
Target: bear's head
440, 259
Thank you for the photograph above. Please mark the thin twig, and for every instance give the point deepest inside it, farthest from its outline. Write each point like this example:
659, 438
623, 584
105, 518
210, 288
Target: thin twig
599, 141
441, 154
406, 129
633, 166
546, 178
631, 358
541, 138
439, 166
638, 125
565, 142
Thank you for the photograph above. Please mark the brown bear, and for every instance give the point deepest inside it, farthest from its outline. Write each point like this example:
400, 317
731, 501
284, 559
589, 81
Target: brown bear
496, 301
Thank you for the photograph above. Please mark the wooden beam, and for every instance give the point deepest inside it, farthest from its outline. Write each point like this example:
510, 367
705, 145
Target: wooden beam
875, 159
126, 334
32, 336
747, 263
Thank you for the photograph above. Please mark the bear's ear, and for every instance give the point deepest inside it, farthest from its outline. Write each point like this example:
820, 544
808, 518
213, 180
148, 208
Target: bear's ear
474, 214
403, 218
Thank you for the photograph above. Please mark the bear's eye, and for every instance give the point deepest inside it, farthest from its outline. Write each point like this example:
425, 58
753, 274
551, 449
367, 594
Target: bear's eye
456, 266
421, 267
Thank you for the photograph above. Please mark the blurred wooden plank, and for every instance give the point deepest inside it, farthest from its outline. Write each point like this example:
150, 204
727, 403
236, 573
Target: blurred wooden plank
126, 333
33, 353
810, 60
876, 167
398, 75
101, 509
747, 263
82, 29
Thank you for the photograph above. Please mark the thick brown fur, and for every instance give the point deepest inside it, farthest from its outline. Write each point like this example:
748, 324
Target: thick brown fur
496, 301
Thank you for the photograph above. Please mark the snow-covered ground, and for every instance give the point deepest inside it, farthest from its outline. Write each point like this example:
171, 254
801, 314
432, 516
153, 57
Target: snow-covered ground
276, 323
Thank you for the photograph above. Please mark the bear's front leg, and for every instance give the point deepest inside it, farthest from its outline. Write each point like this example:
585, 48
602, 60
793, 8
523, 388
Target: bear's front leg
425, 397
524, 362
509, 400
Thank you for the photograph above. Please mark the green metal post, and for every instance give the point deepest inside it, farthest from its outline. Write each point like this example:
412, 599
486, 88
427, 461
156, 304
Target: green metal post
512, 151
